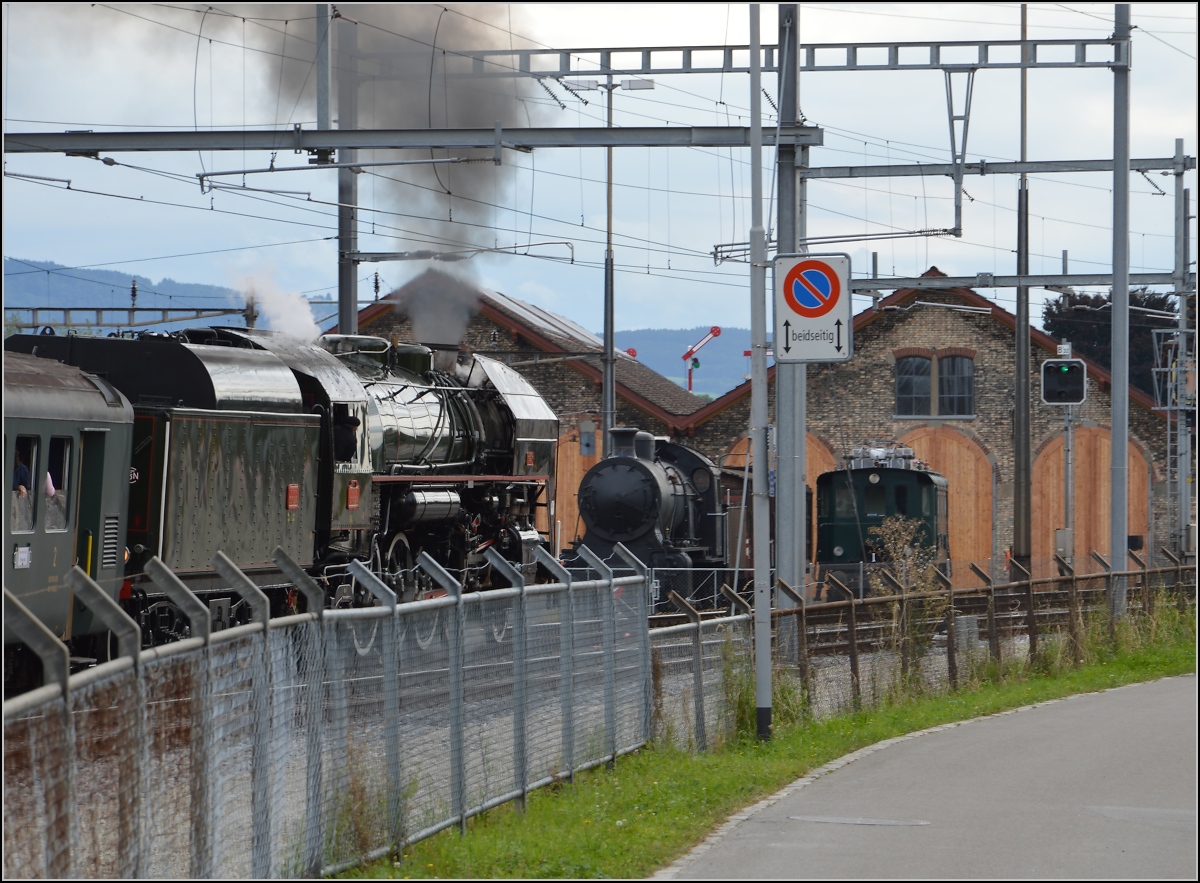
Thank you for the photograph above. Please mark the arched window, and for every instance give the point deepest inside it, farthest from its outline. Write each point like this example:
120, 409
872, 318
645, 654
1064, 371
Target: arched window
914, 375
956, 386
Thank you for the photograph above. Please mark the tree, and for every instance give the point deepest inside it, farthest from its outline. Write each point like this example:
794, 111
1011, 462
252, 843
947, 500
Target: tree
1090, 329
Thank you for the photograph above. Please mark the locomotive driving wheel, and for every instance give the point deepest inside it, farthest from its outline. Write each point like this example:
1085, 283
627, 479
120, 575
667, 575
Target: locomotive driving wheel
413, 586
427, 628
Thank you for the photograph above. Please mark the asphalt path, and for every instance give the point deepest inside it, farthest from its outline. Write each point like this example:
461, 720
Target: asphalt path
1100, 786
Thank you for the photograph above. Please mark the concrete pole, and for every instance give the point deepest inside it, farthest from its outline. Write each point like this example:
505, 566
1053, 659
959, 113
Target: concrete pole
347, 180
1118, 537
758, 400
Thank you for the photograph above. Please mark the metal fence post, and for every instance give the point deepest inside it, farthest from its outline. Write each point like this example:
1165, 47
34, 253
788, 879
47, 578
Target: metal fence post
1072, 610
993, 635
1031, 618
1145, 581
797, 600
390, 653
697, 667
1109, 590
201, 810
644, 606
566, 661
1180, 598
55, 658
129, 643
855, 684
458, 770
314, 816
609, 640
520, 751
902, 612
261, 858
951, 638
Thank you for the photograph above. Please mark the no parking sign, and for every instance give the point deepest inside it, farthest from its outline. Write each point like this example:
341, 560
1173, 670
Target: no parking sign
813, 315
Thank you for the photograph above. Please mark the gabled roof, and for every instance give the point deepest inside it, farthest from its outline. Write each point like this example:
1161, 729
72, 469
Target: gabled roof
903, 296
555, 335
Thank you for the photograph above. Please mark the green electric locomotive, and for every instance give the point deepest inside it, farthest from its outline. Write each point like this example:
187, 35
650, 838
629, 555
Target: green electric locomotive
880, 480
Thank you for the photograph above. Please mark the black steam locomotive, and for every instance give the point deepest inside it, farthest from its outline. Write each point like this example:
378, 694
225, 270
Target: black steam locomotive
241, 441
658, 498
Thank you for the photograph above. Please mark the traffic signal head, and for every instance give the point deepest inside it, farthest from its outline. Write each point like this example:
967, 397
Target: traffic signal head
1064, 381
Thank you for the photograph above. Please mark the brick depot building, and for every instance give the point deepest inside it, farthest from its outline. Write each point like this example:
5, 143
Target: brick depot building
931, 369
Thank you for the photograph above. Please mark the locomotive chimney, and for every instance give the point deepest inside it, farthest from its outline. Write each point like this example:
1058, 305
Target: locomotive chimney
623, 441
643, 445
445, 356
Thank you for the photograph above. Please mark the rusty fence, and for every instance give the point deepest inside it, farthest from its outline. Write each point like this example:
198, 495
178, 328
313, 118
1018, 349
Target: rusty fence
854, 653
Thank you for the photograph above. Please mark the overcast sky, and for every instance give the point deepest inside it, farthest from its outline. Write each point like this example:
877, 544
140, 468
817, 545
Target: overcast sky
185, 66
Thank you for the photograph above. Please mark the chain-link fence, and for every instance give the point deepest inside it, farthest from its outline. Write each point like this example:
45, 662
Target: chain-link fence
308, 744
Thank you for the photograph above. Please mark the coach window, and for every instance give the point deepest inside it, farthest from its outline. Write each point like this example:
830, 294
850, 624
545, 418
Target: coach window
875, 497
24, 492
58, 473
843, 496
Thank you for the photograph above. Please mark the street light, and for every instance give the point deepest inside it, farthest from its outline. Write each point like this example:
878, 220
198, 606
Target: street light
608, 394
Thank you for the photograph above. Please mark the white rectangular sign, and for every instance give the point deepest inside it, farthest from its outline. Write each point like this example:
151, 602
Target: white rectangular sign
813, 313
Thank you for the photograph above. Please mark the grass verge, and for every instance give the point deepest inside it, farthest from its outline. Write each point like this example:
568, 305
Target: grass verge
656, 804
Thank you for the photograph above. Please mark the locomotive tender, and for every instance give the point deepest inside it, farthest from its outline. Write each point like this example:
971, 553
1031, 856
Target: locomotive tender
881, 480
242, 440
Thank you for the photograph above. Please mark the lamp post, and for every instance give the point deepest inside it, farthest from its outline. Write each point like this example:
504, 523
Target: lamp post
608, 362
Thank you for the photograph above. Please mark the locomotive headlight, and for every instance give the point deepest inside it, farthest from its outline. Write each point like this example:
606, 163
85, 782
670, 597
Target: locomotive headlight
873, 478
837, 551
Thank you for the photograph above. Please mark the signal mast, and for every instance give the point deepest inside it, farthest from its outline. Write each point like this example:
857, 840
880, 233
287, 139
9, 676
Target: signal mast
690, 355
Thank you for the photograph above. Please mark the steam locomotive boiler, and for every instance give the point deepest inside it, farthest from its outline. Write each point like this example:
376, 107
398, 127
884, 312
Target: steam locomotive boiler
660, 499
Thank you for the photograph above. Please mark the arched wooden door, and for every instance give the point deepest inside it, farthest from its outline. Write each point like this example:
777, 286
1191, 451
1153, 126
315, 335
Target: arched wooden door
1092, 480
969, 472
